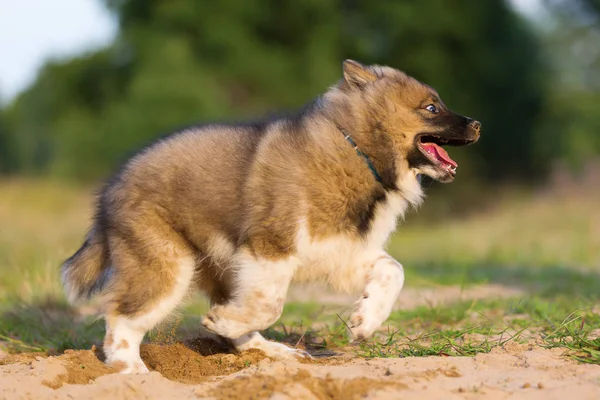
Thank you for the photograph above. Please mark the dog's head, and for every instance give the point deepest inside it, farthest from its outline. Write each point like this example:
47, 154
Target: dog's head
411, 115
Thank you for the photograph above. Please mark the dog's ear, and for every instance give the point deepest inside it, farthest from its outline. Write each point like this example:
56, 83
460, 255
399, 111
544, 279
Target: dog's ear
356, 74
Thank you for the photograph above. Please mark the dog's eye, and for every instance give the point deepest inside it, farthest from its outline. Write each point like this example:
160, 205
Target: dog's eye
432, 109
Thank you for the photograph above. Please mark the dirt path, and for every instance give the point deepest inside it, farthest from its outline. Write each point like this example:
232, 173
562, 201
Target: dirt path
512, 372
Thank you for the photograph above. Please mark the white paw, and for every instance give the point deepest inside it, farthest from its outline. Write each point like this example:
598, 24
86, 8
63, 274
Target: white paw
363, 325
136, 369
283, 352
129, 367
271, 349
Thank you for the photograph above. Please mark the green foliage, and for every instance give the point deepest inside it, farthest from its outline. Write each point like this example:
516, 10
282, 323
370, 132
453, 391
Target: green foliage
5, 157
572, 124
180, 62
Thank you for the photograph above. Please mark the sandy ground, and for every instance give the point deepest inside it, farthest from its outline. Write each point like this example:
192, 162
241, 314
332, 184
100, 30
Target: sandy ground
203, 368
512, 372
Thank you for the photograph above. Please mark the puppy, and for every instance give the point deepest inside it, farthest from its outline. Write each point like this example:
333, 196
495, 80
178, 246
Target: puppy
240, 211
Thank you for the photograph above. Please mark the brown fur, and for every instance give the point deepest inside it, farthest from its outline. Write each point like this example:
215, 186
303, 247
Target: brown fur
123, 344
108, 340
119, 365
207, 193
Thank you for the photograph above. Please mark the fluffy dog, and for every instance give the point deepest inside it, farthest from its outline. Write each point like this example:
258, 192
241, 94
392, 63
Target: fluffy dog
240, 211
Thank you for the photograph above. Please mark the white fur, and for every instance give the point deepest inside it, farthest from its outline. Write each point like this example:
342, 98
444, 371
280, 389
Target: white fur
383, 288
339, 261
132, 330
255, 340
124, 330
259, 274
344, 262
261, 287
69, 289
409, 185
220, 248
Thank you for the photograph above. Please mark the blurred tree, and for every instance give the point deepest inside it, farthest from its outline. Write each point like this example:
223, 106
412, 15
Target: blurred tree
4, 147
177, 62
571, 42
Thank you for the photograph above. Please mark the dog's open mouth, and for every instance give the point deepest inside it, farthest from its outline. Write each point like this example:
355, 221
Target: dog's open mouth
431, 147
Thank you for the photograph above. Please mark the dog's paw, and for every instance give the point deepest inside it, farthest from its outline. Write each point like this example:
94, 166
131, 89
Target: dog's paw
129, 367
361, 331
136, 369
362, 325
219, 321
277, 350
283, 352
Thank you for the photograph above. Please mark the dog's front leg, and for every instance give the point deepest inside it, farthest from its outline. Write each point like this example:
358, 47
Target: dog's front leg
384, 284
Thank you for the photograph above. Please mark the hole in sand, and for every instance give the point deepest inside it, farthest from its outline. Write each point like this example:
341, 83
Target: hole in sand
191, 361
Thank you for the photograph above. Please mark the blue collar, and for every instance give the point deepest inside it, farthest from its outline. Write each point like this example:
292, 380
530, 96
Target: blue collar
361, 154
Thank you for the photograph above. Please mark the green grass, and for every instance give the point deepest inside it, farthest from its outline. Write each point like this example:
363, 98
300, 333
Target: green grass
50, 326
436, 343
468, 328
548, 246
461, 329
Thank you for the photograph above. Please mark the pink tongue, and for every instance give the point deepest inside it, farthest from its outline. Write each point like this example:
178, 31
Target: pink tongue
439, 153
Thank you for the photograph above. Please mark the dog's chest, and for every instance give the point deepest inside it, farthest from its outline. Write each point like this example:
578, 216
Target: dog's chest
344, 260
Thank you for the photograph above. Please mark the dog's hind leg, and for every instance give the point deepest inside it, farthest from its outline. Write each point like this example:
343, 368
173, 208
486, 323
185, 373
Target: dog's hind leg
257, 298
385, 282
149, 281
219, 289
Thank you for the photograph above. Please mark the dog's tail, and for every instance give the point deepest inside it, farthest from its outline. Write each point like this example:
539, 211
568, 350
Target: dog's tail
85, 272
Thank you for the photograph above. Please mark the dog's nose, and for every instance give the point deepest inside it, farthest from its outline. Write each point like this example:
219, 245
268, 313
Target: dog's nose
475, 125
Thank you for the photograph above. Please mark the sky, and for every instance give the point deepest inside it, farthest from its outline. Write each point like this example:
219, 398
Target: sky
530, 8
33, 31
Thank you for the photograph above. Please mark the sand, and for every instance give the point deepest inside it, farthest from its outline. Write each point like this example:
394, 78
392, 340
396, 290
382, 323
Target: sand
204, 369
